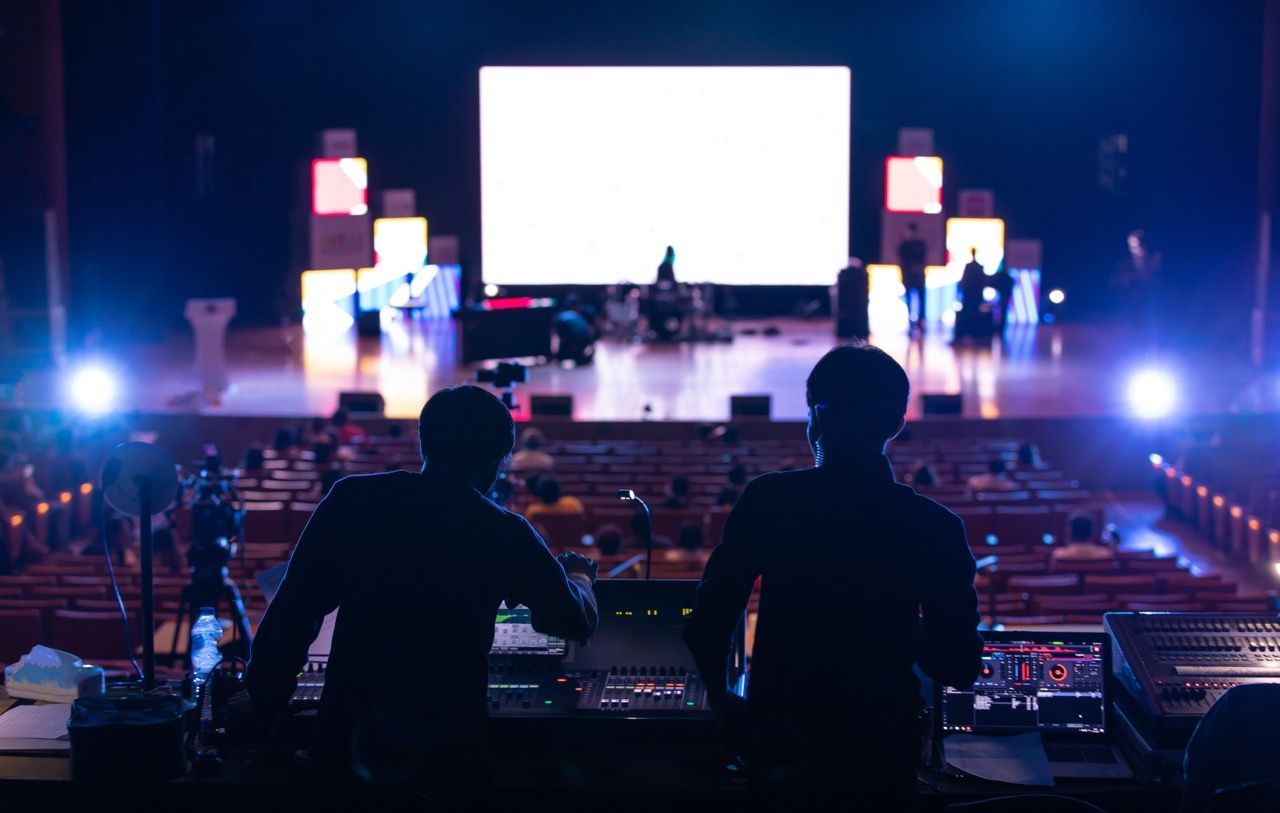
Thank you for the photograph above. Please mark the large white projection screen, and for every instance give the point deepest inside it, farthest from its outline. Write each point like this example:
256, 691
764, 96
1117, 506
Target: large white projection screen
588, 174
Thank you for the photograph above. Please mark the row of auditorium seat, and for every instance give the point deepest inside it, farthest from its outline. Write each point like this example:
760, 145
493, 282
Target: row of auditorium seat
1240, 524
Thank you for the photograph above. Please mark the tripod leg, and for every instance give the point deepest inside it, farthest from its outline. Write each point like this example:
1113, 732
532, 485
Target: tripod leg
242, 635
183, 605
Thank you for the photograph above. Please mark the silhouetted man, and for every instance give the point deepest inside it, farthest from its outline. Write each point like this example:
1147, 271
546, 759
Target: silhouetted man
418, 564
973, 320
848, 558
912, 252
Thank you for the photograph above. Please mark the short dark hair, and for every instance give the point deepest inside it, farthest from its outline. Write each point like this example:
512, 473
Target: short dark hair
609, 539
861, 392
532, 439
549, 490
1081, 527
690, 536
680, 485
738, 475
996, 465
464, 425
924, 476
340, 417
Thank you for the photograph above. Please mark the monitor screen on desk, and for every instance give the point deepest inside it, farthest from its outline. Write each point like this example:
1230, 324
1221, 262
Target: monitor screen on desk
1049, 682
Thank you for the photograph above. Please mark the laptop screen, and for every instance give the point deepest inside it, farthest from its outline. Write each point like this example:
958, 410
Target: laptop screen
1050, 682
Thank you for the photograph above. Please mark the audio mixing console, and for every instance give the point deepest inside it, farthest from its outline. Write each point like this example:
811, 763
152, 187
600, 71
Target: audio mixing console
1174, 666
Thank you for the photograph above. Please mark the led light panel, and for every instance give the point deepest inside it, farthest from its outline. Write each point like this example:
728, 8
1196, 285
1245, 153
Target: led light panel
986, 234
339, 186
400, 242
589, 173
913, 184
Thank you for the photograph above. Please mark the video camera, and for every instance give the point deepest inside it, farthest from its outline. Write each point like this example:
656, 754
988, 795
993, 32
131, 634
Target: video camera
217, 518
505, 374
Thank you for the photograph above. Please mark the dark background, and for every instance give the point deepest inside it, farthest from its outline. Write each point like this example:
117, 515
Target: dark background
1018, 94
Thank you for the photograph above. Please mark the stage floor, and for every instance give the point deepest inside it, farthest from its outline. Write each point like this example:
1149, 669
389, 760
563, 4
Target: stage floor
1038, 371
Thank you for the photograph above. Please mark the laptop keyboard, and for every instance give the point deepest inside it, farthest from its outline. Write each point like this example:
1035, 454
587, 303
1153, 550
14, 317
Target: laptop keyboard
1098, 754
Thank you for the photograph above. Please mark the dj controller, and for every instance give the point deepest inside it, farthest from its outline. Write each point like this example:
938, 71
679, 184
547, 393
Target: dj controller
635, 666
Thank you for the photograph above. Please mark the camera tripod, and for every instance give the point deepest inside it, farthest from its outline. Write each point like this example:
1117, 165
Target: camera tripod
211, 586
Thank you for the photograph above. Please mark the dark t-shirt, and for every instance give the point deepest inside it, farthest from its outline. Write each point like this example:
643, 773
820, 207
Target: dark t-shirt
911, 255
847, 559
418, 565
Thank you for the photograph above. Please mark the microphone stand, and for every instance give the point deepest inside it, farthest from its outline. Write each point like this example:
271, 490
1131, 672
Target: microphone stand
628, 495
148, 585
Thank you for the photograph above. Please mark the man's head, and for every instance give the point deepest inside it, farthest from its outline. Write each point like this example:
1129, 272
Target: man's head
690, 536
738, 476
973, 252
997, 466
911, 229
1081, 527
549, 490
465, 433
679, 486
340, 418
609, 539
857, 397
532, 439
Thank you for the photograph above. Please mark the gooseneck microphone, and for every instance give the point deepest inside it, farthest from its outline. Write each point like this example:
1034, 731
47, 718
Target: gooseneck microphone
628, 495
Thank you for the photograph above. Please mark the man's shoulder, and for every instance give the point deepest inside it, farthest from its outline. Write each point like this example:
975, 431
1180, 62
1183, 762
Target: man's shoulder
926, 508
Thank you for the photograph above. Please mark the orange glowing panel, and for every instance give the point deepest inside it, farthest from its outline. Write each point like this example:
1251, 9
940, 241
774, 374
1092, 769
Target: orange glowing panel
339, 186
913, 184
400, 243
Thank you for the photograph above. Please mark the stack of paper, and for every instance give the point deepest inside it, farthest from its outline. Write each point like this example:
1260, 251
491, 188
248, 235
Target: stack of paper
41, 727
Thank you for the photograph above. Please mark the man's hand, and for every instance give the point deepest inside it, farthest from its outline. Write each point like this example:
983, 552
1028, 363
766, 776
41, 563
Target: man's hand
575, 564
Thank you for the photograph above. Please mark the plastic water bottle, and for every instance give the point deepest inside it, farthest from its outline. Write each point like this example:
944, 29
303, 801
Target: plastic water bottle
204, 644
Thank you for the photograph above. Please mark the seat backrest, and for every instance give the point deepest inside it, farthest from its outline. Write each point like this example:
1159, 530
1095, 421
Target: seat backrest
19, 631
90, 635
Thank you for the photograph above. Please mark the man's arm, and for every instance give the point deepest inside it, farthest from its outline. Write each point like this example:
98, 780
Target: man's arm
559, 596
950, 647
722, 596
309, 592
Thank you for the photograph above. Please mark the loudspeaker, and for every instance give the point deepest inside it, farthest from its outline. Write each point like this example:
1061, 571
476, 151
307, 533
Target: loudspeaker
750, 406
551, 406
852, 298
365, 403
936, 403
369, 323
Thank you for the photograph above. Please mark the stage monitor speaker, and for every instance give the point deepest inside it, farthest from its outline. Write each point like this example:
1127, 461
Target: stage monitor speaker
369, 323
852, 320
750, 406
937, 403
551, 406
362, 403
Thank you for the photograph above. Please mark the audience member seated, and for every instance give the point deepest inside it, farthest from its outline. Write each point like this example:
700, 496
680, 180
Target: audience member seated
531, 459
62, 468
283, 441
609, 539
328, 478
1029, 456
677, 493
121, 541
344, 430
924, 477
730, 493
1234, 745
1081, 543
551, 501
996, 478
689, 544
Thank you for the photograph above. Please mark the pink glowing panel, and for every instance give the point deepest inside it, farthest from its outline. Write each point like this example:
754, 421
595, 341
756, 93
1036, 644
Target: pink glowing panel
913, 184
339, 186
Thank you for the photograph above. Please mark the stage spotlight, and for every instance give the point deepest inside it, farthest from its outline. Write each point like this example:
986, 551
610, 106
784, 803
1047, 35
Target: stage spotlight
1152, 394
93, 388
1057, 297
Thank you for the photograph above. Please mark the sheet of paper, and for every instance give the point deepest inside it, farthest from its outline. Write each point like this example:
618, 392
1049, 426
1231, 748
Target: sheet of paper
31, 728
1017, 760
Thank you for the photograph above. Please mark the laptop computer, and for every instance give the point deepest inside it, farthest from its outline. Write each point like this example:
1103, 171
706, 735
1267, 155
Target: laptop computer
1054, 683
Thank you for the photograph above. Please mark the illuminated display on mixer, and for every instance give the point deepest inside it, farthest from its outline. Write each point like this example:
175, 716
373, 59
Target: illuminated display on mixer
1029, 685
513, 634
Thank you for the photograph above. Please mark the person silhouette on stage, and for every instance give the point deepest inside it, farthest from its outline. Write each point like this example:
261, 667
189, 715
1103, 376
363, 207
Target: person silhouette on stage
416, 563
847, 559
974, 319
912, 252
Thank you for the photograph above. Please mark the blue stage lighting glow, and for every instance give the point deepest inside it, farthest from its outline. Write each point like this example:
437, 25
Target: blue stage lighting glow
93, 388
1153, 393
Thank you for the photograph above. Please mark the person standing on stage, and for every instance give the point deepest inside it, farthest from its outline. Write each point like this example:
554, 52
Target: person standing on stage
417, 564
848, 559
912, 252
973, 281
